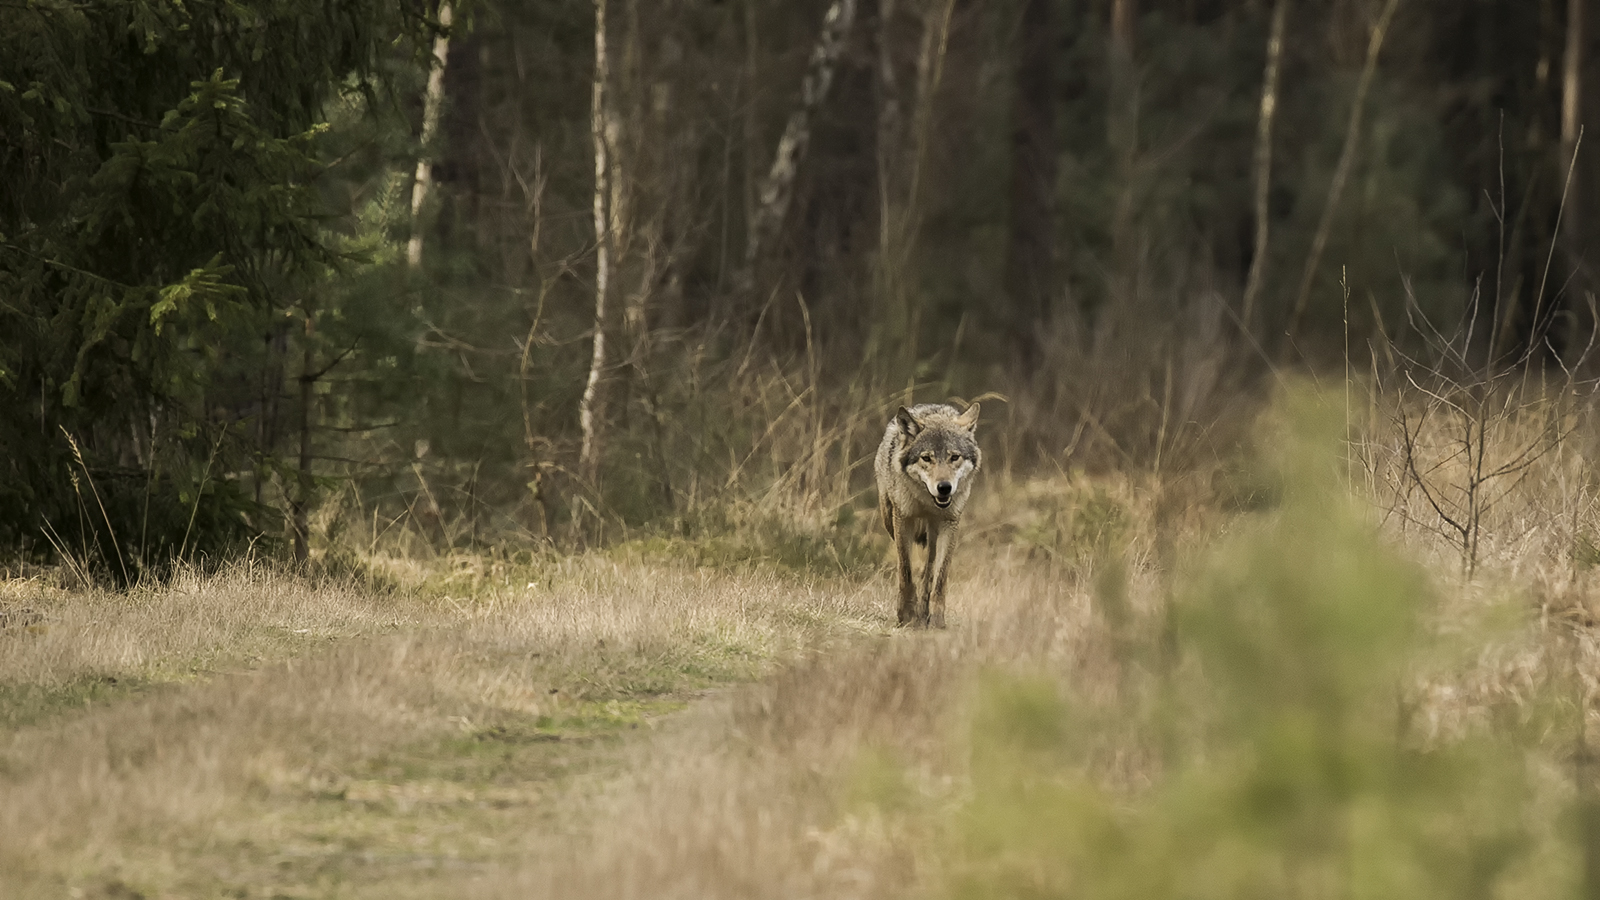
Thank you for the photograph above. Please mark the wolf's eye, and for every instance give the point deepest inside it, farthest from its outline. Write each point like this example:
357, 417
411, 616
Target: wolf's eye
955, 457
927, 457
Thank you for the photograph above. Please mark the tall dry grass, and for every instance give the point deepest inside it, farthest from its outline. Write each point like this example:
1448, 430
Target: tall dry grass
194, 625
862, 773
395, 748
833, 779
264, 693
723, 432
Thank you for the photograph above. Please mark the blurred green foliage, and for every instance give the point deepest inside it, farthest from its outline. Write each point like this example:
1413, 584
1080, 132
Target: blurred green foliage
1275, 759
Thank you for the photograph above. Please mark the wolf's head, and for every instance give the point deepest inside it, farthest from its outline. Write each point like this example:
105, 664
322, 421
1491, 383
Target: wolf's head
939, 448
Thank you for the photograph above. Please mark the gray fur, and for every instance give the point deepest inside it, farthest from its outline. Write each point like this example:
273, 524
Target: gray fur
926, 447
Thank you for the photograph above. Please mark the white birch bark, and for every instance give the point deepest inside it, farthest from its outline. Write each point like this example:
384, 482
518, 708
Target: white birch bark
777, 189
431, 105
1571, 127
1263, 160
599, 126
1571, 78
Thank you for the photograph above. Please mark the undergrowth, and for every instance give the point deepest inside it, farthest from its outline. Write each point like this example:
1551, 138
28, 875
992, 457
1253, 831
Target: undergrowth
1274, 727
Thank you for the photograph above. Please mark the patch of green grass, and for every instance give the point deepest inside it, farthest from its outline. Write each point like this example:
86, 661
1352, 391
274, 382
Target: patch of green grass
651, 673
508, 724
536, 751
1585, 551
1278, 761
1078, 525
595, 701
427, 812
22, 705
840, 549
594, 719
417, 818
522, 748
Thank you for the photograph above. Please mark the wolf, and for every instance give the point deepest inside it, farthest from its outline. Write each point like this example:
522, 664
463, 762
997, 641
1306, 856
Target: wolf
924, 470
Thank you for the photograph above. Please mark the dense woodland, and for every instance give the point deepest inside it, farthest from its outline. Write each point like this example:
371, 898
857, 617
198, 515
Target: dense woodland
547, 270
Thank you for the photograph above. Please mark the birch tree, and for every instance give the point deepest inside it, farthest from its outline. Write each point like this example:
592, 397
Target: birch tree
777, 188
599, 124
1572, 63
1572, 207
432, 103
300, 502
1263, 161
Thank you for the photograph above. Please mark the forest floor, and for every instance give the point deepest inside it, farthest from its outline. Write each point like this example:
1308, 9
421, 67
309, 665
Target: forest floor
643, 721
258, 735
619, 723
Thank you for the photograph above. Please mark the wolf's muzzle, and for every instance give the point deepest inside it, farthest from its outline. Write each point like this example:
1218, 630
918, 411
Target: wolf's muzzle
942, 494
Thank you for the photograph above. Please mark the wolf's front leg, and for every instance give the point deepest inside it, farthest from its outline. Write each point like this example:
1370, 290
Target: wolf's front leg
940, 544
907, 613
927, 537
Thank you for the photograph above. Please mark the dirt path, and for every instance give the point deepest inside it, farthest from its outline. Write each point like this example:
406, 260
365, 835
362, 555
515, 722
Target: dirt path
254, 736
601, 729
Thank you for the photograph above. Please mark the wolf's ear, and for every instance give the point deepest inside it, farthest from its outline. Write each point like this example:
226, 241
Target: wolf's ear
969, 419
909, 426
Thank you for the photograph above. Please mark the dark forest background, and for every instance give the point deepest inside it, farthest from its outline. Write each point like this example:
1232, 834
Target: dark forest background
278, 274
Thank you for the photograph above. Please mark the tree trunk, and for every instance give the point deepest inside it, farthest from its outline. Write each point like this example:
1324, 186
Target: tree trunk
273, 373
1122, 133
888, 95
777, 188
1571, 105
432, 103
1030, 252
891, 330
752, 150
902, 155
1341, 173
636, 241
1574, 336
301, 505
589, 407
1263, 163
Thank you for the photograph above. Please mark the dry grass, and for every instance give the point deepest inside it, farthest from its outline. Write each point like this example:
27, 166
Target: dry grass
194, 626
296, 738
803, 786
846, 776
832, 778
504, 731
